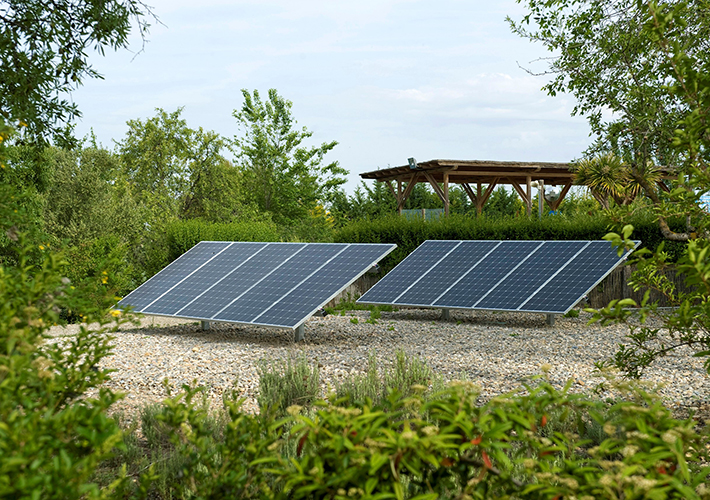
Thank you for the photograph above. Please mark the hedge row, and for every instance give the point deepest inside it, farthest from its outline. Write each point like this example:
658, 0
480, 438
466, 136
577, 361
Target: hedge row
183, 235
409, 234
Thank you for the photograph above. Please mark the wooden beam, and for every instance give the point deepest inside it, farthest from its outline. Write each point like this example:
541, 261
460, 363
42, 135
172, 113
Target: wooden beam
408, 191
467, 188
520, 191
435, 185
528, 182
489, 190
504, 173
446, 194
391, 188
563, 193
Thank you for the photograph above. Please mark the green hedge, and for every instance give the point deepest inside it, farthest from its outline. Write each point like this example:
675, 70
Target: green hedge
409, 234
183, 235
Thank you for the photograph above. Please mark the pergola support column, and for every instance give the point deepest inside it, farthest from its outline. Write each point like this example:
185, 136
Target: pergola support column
480, 197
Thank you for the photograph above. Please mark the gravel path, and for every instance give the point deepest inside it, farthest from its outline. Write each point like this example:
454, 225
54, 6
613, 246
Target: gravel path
495, 350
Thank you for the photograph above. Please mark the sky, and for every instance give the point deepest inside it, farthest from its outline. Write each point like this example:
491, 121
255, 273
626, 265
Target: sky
387, 79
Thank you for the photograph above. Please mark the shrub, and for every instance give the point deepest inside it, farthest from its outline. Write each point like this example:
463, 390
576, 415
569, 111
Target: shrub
406, 376
282, 384
52, 436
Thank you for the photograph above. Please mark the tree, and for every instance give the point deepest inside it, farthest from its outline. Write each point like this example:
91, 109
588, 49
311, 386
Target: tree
607, 177
688, 324
280, 175
43, 55
181, 172
604, 58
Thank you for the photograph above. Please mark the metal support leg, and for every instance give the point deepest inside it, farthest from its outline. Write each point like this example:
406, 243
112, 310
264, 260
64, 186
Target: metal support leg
550, 319
299, 333
446, 314
205, 325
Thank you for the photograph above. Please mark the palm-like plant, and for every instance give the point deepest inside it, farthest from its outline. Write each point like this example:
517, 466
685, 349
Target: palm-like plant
607, 176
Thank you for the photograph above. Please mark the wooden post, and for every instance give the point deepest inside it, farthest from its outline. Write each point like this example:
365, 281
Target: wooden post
446, 194
479, 205
399, 196
541, 194
528, 180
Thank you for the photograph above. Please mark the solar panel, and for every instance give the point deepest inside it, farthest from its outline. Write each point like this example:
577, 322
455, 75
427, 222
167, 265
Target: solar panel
526, 276
268, 284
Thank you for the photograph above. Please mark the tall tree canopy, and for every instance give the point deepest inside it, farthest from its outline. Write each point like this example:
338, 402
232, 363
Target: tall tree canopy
180, 172
282, 176
43, 54
604, 56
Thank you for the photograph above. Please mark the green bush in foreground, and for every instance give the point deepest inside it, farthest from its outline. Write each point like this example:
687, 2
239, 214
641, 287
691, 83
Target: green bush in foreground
530, 444
52, 435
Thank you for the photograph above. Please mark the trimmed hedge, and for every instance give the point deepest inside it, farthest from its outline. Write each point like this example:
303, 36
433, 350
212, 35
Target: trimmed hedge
409, 234
183, 235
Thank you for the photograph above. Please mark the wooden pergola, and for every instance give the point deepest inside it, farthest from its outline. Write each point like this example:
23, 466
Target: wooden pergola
478, 178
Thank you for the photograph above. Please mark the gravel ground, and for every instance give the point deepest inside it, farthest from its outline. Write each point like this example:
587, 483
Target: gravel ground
495, 350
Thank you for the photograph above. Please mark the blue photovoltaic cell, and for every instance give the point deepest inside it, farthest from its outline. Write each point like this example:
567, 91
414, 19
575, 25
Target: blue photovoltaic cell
491, 270
274, 286
172, 274
532, 276
303, 300
576, 279
445, 273
532, 273
203, 278
238, 281
409, 270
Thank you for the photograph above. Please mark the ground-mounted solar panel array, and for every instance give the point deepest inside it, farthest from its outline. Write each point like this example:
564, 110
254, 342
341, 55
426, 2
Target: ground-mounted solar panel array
268, 284
527, 276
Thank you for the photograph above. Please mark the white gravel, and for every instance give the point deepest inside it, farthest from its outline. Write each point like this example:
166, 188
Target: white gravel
495, 350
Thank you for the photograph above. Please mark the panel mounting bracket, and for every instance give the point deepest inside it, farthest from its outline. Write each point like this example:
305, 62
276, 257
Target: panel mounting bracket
550, 318
205, 325
299, 333
446, 314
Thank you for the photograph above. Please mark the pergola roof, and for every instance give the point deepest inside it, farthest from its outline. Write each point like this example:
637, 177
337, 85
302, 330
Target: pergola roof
479, 171
484, 174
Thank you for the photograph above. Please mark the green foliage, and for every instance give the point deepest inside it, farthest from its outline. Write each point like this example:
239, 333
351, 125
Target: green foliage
52, 436
503, 203
282, 384
501, 449
43, 54
182, 235
408, 235
180, 172
606, 64
535, 443
407, 376
647, 69
281, 176
687, 71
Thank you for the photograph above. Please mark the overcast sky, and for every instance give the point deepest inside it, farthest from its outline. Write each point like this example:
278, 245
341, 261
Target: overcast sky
387, 79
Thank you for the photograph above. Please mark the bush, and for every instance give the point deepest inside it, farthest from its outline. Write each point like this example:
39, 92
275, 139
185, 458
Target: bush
52, 436
282, 384
406, 376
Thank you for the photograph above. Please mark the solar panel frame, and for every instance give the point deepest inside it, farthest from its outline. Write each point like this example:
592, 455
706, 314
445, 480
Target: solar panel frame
438, 305
386, 249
